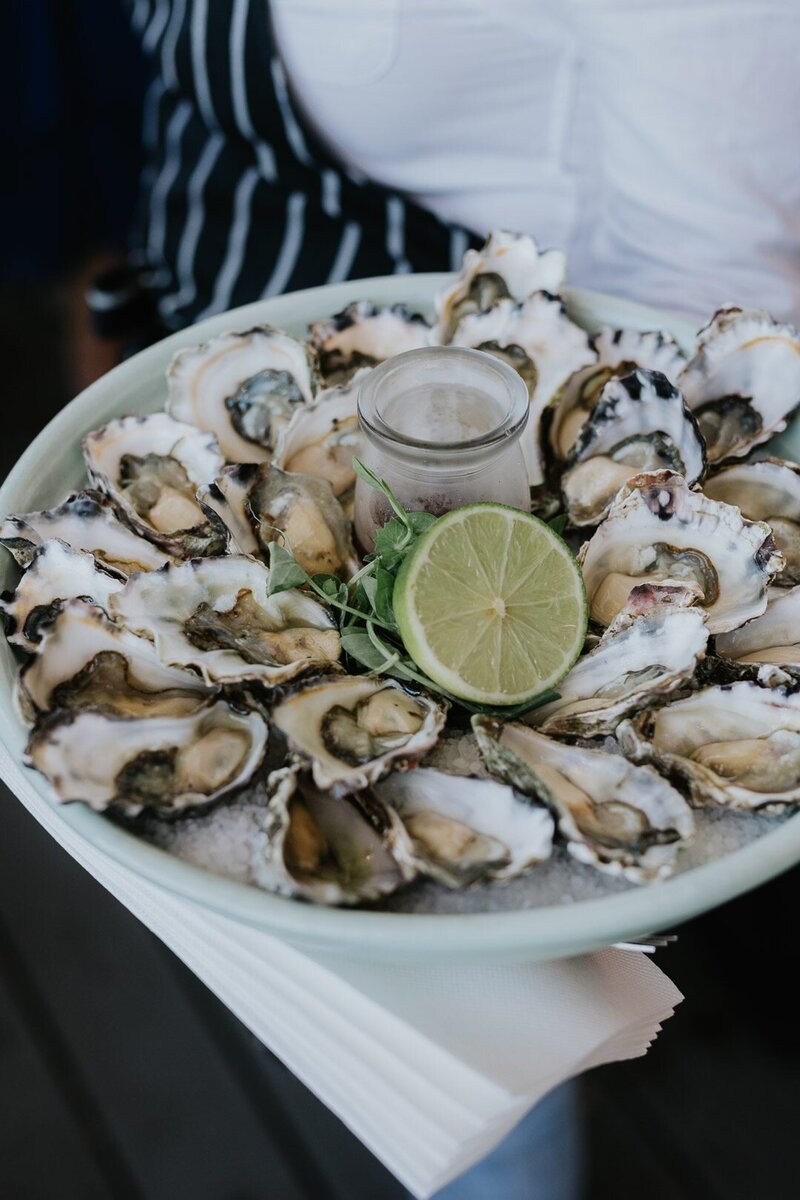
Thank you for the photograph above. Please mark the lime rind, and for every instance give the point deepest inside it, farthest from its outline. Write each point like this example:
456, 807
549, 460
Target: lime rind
457, 643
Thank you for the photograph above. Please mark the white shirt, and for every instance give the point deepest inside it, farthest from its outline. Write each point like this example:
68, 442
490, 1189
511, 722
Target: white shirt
657, 141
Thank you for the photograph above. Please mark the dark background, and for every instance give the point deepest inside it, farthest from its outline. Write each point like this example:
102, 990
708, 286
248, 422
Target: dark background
121, 1076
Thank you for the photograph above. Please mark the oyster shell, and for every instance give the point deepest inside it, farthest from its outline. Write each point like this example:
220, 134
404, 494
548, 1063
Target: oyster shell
659, 530
537, 338
773, 638
215, 615
355, 728
619, 352
84, 521
508, 265
621, 818
164, 764
769, 491
87, 661
647, 652
736, 745
151, 467
465, 830
639, 423
56, 574
329, 849
322, 439
743, 381
364, 334
260, 504
243, 388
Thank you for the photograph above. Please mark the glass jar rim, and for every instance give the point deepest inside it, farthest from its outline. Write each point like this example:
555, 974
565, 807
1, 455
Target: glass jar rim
431, 360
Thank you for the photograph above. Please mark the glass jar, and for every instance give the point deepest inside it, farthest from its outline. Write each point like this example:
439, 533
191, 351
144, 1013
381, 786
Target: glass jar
441, 427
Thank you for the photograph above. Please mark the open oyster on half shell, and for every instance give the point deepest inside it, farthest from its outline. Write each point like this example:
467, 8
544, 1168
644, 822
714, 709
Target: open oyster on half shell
215, 615
56, 574
259, 504
773, 639
508, 266
639, 423
352, 729
151, 468
743, 381
768, 490
465, 830
364, 334
624, 819
736, 745
84, 521
326, 848
323, 438
166, 764
659, 530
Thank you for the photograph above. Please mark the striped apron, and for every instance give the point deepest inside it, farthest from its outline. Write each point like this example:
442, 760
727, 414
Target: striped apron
240, 201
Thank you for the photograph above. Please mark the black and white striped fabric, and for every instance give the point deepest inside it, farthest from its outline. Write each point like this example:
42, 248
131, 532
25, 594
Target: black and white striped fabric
238, 200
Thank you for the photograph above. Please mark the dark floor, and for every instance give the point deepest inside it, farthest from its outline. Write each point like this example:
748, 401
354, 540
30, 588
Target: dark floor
122, 1078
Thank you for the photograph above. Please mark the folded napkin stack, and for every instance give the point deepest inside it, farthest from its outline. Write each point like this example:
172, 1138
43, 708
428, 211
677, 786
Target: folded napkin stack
429, 1066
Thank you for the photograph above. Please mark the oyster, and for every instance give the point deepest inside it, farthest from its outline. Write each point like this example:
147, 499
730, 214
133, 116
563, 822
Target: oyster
164, 764
743, 381
56, 574
333, 850
508, 265
465, 830
151, 467
619, 352
639, 423
773, 638
766, 491
243, 388
261, 504
659, 530
322, 439
648, 651
364, 334
537, 338
622, 818
736, 745
353, 729
215, 615
87, 661
84, 521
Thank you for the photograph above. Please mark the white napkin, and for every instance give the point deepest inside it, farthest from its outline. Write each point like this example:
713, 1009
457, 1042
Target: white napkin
429, 1066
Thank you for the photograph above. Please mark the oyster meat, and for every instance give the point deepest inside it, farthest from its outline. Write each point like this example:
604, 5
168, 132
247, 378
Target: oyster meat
87, 661
332, 850
216, 615
508, 266
322, 439
351, 730
261, 504
639, 423
624, 819
648, 651
619, 352
363, 335
537, 338
743, 381
736, 745
84, 521
151, 467
164, 764
659, 530
56, 574
769, 491
243, 388
773, 638
464, 830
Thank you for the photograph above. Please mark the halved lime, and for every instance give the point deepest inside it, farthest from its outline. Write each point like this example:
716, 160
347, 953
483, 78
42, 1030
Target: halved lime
491, 604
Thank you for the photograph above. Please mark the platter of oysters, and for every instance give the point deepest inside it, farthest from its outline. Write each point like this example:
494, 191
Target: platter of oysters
213, 733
